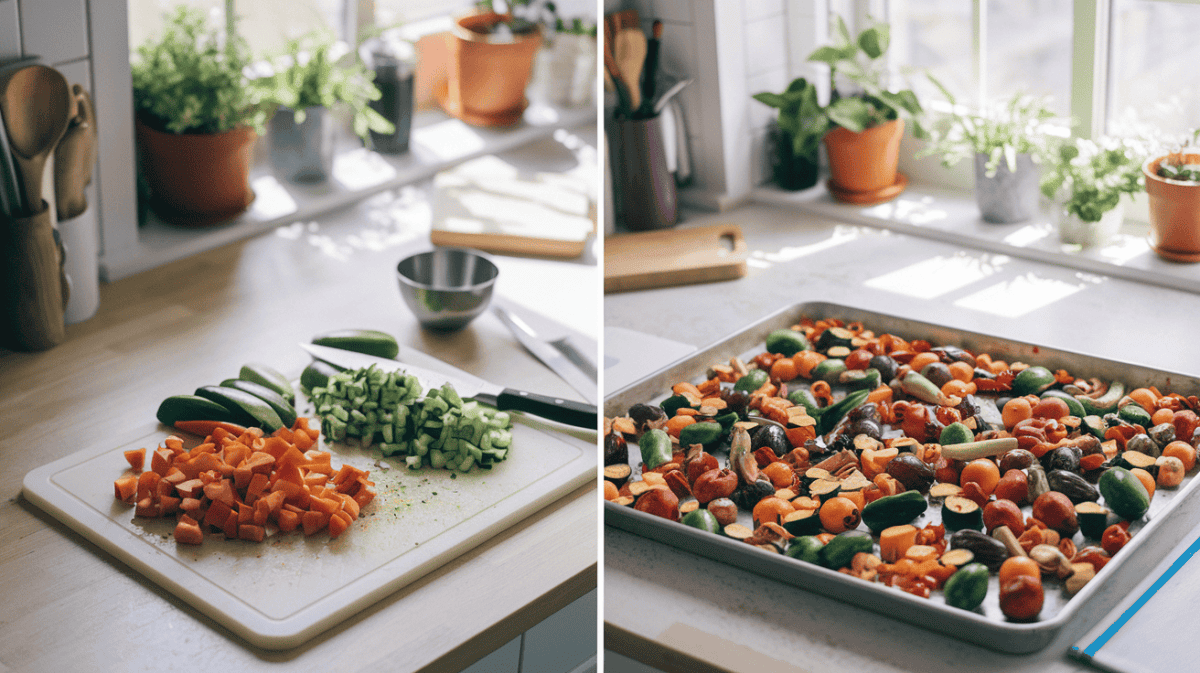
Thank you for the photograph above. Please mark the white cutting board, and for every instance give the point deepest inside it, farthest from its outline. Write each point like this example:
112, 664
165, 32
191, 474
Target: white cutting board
279, 593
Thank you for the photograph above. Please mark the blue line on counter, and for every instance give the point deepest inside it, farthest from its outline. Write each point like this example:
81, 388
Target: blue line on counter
1143, 599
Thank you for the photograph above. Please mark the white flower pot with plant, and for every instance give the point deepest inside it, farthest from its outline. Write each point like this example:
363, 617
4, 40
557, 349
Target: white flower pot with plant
1088, 179
1008, 144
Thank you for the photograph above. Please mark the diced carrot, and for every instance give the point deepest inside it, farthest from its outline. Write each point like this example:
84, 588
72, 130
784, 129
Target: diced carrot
349, 505
216, 515
146, 484
206, 447
315, 479
895, 541
136, 458
235, 453
288, 520
275, 446
304, 441
325, 505
125, 488
168, 504
146, 507
220, 491
251, 532
286, 435
163, 487
259, 462
258, 484
295, 493
287, 472
364, 496
174, 443
230, 528
190, 504
187, 531
338, 524
313, 522
190, 488
246, 513
174, 475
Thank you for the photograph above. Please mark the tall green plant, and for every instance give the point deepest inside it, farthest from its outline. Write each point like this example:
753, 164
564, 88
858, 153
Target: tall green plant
192, 79
859, 62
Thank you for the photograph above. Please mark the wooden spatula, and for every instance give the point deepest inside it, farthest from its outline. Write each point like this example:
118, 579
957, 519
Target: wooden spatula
630, 50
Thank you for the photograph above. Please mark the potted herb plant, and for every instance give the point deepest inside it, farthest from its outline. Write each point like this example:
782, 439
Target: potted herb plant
1173, 187
1008, 144
1088, 178
314, 76
800, 128
866, 117
490, 56
196, 118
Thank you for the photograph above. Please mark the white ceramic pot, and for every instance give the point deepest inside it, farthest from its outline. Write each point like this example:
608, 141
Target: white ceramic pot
564, 73
1075, 231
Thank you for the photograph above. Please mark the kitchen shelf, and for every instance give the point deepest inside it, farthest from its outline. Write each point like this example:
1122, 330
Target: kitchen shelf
953, 217
438, 142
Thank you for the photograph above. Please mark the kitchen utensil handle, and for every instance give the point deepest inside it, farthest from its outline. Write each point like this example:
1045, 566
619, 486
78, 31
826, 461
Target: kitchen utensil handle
579, 414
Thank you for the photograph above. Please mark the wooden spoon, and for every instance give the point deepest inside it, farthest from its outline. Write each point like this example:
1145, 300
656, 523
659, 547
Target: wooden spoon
38, 107
630, 50
74, 159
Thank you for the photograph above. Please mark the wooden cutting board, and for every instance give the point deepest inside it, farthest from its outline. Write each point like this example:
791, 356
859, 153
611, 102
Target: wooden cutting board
669, 257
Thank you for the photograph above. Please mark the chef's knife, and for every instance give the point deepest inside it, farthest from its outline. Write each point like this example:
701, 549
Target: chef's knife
549, 355
466, 385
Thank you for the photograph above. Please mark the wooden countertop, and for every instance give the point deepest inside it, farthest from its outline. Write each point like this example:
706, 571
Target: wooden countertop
70, 606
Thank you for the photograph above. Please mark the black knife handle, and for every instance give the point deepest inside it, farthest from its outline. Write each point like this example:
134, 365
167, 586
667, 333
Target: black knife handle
579, 414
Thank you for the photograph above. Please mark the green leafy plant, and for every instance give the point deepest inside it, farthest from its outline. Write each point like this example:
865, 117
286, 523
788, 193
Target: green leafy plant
1017, 126
858, 63
521, 16
801, 118
192, 79
577, 26
1088, 177
318, 71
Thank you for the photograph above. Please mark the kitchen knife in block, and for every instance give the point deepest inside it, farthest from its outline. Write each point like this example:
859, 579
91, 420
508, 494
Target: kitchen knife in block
574, 413
668, 257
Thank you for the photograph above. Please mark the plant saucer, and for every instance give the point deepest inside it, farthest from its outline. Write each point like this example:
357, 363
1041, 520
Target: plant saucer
871, 197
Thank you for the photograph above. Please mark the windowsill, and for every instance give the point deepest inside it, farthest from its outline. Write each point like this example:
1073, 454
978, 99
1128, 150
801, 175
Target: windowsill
438, 142
953, 217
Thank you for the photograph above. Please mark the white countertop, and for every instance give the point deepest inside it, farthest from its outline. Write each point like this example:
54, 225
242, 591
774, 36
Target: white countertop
680, 612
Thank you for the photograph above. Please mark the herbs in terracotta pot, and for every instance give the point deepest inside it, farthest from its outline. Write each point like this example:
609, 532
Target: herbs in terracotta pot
1176, 166
519, 16
1008, 142
866, 117
318, 71
860, 97
192, 79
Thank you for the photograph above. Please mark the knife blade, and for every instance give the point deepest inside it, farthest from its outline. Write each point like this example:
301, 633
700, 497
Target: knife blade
466, 385
550, 356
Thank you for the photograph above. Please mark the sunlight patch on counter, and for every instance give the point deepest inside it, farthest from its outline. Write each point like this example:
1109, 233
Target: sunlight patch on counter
1019, 296
912, 211
361, 169
936, 276
271, 199
841, 235
447, 140
1028, 235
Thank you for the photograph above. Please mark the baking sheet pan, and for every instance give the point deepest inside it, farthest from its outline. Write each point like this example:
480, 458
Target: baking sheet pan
279, 593
1172, 513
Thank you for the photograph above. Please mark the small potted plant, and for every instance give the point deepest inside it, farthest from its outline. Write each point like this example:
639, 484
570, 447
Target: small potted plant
197, 120
314, 76
1008, 143
490, 59
1173, 188
1088, 178
800, 128
867, 118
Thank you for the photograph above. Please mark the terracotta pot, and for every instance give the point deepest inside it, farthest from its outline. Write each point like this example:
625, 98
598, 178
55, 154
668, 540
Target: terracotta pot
197, 178
1174, 213
486, 78
866, 161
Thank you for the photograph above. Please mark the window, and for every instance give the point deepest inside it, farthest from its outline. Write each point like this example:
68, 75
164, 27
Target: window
1152, 73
